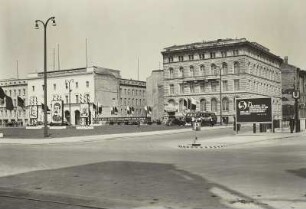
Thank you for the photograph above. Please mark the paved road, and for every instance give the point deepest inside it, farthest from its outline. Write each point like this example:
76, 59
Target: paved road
152, 172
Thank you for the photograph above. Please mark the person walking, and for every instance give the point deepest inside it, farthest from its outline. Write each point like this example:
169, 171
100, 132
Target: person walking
291, 124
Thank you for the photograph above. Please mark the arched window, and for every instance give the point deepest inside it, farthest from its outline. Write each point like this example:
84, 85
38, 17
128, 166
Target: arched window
181, 72
171, 73
224, 68
171, 102
213, 69
225, 104
236, 68
214, 105
202, 105
192, 73
202, 70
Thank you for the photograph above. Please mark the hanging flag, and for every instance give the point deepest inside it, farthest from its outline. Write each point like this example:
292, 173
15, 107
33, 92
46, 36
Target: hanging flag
9, 103
100, 109
185, 103
189, 104
94, 106
20, 102
132, 110
193, 104
2, 94
43, 107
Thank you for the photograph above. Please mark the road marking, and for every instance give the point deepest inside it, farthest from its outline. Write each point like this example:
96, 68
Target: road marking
189, 178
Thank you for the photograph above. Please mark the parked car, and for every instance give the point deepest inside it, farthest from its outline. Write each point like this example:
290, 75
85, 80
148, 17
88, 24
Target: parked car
205, 117
175, 121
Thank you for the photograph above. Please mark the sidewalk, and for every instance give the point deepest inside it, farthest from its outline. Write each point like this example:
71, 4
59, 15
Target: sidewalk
240, 139
38, 141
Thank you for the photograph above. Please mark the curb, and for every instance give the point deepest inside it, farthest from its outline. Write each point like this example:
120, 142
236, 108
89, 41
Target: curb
89, 138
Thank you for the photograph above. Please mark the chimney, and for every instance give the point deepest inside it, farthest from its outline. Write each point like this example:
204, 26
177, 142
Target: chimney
286, 59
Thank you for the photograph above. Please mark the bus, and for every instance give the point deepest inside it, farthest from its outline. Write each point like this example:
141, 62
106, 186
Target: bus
205, 117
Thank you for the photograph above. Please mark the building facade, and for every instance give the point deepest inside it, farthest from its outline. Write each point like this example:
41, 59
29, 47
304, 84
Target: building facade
192, 72
93, 88
155, 94
132, 98
293, 79
14, 88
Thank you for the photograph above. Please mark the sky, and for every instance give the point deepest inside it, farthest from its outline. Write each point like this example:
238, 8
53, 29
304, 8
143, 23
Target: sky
121, 32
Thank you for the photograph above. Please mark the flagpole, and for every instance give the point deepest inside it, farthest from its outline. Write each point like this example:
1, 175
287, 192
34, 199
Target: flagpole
86, 55
17, 71
58, 57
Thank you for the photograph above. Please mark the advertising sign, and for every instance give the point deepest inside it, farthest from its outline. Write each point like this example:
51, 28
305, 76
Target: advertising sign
33, 111
254, 110
84, 110
57, 111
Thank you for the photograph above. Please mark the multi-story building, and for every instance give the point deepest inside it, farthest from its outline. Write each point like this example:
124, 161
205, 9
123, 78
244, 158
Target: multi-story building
14, 88
155, 94
293, 79
132, 98
95, 86
192, 72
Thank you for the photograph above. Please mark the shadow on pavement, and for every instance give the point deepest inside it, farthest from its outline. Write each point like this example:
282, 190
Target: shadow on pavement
299, 172
116, 184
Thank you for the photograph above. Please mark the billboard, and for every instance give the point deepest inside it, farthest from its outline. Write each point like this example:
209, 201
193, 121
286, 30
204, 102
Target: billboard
33, 111
57, 111
84, 110
254, 110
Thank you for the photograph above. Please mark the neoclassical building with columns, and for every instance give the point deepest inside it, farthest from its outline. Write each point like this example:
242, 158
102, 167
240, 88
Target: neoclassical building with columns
191, 72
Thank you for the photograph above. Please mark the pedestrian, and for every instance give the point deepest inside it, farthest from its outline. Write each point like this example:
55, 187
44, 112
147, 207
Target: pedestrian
211, 122
291, 124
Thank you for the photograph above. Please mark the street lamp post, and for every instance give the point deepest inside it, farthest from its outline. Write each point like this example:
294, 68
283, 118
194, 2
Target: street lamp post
45, 24
68, 82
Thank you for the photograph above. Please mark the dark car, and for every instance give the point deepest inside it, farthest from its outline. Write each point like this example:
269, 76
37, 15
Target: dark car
205, 117
175, 121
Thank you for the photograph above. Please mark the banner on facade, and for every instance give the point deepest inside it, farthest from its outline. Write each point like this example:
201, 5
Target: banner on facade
254, 110
57, 112
33, 112
84, 113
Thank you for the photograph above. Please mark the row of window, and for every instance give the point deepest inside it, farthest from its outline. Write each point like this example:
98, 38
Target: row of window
131, 101
7, 113
67, 84
203, 87
202, 71
132, 92
264, 88
264, 72
214, 70
20, 91
203, 55
79, 98
137, 112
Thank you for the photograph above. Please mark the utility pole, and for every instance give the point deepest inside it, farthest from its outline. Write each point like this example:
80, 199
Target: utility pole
58, 57
86, 54
17, 71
